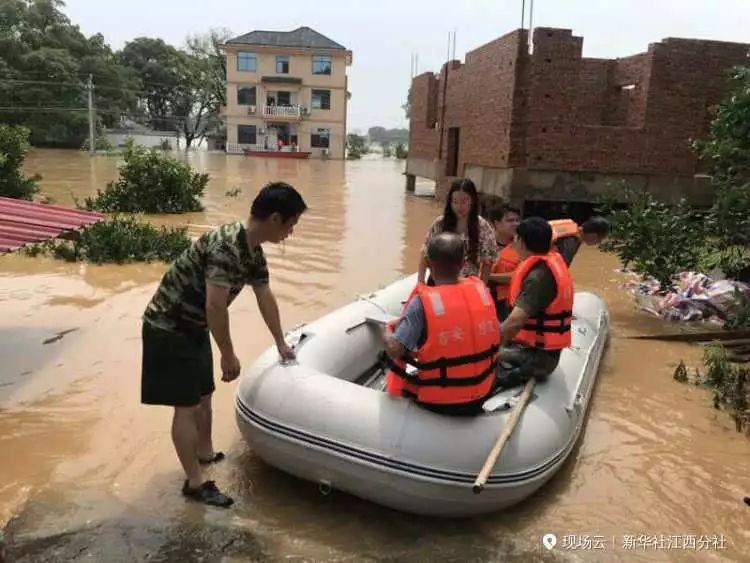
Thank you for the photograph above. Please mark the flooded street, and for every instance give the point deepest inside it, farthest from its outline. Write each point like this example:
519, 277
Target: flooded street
90, 473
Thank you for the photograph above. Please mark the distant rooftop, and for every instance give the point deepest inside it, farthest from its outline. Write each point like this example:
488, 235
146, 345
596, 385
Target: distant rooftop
300, 38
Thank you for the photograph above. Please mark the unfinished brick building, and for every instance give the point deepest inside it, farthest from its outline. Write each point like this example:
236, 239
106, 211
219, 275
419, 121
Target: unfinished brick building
552, 126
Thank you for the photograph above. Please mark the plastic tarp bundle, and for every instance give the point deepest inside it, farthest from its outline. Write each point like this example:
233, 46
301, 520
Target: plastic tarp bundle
694, 297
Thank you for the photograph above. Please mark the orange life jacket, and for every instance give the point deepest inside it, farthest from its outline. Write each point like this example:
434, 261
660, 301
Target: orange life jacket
551, 329
562, 228
456, 364
507, 261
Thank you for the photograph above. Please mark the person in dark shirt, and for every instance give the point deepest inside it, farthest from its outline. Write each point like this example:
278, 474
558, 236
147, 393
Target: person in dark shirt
538, 290
592, 232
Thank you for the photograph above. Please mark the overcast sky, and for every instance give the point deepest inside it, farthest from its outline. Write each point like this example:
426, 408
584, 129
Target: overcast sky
384, 33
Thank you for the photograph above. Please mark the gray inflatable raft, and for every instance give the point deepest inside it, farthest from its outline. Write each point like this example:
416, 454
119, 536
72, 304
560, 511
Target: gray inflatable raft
325, 417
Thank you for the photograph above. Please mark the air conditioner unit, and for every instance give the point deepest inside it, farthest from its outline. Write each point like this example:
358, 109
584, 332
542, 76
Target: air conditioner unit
250, 110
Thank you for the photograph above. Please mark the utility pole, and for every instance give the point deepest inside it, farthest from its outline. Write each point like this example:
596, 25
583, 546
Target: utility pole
92, 141
531, 24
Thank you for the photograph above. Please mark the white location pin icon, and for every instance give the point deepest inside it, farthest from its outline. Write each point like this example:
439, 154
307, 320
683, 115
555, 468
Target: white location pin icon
549, 541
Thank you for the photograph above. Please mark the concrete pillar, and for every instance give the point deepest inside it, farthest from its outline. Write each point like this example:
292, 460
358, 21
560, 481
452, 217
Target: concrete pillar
411, 182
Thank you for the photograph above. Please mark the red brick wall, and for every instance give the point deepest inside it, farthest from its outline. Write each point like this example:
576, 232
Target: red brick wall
554, 110
627, 107
480, 101
423, 116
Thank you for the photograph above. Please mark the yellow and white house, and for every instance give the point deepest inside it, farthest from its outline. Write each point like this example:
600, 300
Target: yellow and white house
286, 90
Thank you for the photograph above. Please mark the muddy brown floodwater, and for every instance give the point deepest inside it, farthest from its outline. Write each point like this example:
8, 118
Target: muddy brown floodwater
88, 473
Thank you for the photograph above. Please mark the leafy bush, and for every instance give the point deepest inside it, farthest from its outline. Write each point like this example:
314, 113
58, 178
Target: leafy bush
729, 259
738, 316
356, 146
14, 145
401, 152
100, 144
119, 240
654, 238
151, 182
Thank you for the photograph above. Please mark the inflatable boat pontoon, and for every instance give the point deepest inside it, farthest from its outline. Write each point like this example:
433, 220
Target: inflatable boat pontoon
326, 417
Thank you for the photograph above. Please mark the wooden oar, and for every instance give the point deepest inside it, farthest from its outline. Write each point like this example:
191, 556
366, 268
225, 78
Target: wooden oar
515, 416
694, 336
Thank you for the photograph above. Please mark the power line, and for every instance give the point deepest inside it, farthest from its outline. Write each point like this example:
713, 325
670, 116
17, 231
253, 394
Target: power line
84, 76
77, 85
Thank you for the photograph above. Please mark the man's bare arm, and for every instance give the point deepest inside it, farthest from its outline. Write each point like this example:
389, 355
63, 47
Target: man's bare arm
501, 279
269, 309
515, 321
393, 347
217, 316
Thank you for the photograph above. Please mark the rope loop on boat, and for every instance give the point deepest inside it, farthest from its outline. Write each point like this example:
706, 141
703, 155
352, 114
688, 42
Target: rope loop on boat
325, 487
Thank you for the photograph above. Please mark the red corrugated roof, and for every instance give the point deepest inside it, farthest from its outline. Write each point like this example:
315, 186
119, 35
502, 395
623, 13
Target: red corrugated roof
25, 222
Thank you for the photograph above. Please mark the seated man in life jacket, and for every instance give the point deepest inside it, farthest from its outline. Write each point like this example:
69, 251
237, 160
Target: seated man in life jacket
541, 297
505, 220
567, 236
449, 333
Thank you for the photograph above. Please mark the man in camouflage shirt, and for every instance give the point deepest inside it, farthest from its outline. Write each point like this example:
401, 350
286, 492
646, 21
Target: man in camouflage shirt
191, 301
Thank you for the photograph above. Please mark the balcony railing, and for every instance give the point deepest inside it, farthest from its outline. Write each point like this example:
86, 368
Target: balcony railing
239, 148
289, 112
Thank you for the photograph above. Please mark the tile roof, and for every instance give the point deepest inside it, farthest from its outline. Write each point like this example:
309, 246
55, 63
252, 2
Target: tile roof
302, 37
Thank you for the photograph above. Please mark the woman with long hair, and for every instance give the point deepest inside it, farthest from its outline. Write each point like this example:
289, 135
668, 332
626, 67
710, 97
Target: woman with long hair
461, 216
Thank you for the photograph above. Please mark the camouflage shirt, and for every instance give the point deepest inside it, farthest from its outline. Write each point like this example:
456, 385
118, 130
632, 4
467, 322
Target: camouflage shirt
221, 257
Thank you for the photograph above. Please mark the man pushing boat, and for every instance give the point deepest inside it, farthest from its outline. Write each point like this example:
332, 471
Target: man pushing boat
191, 301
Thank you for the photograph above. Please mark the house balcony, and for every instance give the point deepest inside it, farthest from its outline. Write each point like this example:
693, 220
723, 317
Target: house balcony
239, 110
285, 113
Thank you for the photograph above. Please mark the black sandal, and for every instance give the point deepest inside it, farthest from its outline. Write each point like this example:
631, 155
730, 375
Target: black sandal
208, 493
218, 456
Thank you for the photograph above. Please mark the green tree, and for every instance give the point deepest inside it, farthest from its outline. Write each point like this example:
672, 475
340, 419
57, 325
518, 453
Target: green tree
160, 70
182, 90
356, 146
45, 61
728, 153
14, 144
401, 152
406, 106
151, 182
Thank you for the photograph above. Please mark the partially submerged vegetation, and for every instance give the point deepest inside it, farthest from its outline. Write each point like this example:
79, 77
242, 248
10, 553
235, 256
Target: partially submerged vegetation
151, 182
118, 240
729, 381
14, 145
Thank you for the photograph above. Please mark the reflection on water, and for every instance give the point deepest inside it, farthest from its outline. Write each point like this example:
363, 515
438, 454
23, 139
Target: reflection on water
88, 461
